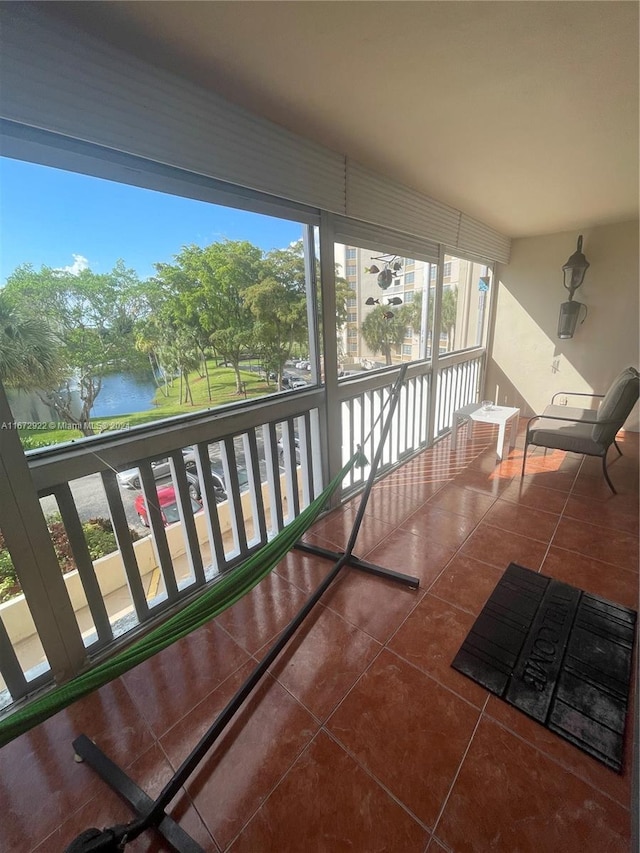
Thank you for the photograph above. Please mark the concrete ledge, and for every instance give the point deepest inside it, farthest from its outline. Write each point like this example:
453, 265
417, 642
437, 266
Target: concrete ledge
110, 573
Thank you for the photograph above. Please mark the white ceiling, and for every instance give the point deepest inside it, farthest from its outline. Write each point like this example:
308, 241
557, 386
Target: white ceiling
521, 114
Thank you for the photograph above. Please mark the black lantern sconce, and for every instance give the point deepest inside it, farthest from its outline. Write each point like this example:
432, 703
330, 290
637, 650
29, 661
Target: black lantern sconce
574, 271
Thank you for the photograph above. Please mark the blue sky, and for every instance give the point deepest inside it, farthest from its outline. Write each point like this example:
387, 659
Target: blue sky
48, 217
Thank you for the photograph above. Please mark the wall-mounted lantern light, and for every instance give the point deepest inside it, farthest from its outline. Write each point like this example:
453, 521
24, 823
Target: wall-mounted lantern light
574, 271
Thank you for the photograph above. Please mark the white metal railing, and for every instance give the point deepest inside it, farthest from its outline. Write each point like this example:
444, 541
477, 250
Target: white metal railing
458, 383
267, 453
363, 404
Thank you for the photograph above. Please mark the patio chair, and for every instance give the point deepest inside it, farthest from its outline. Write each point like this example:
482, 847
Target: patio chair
588, 431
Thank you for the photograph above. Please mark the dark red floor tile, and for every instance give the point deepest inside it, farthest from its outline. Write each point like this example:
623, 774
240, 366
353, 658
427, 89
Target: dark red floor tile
389, 504
487, 483
506, 468
323, 661
439, 525
41, 784
615, 785
509, 796
491, 545
421, 484
327, 802
430, 640
252, 755
613, 513
411, 554
334, 531
560, 480
623, 473
526, 521
522, 778
261, 614
610, 546
168, 685
529, 495
150, 772
306, 571
413, 746
466, 583
610, 582
375, 605
461, 501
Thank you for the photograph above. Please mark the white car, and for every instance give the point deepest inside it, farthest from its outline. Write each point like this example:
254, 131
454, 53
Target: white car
296, 382
130, 478
296, 442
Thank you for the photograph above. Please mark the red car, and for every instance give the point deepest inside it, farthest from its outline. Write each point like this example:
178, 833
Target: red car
167, 500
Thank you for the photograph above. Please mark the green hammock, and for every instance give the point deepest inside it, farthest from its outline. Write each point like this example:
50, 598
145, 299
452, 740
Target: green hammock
212, 602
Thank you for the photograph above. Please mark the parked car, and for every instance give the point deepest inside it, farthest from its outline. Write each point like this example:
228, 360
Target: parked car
130, 479
296, 442
167, 501
297, 382
217, 476
303, 365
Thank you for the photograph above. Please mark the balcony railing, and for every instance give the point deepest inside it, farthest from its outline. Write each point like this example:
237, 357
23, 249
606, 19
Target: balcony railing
268, 455
458, 384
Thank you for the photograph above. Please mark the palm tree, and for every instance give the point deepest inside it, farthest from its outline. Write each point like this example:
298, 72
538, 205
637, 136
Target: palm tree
29, 350
382, 333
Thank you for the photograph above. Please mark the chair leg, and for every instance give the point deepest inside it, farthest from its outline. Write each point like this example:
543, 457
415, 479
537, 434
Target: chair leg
606, 474
524, 458
616, 446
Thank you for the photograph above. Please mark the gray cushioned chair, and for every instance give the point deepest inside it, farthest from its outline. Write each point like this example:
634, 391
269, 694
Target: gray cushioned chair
588, 431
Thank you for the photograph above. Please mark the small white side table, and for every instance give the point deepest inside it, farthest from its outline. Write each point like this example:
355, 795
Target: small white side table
501, 415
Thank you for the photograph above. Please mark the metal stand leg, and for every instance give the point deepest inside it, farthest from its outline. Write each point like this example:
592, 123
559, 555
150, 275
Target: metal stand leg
151, 813
134, 796
356, 563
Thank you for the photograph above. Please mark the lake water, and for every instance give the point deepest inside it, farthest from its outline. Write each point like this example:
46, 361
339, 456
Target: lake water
123, 394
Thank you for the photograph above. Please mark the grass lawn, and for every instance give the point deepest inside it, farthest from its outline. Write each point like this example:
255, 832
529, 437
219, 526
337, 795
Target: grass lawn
223, 390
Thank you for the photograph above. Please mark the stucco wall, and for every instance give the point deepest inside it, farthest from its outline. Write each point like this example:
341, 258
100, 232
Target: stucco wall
529, 363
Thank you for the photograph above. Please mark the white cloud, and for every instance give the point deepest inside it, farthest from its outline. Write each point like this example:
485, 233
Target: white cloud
79, 263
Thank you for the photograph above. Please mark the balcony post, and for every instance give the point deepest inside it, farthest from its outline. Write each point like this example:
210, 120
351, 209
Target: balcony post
435, 350
332, 438
25, 532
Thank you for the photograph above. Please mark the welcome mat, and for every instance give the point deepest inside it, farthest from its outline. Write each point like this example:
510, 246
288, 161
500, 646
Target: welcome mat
561, 655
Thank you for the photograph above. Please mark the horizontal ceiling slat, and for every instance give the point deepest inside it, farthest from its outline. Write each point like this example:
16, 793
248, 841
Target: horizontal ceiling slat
100, 94
56, 78
352, 232
374, 198
479, 239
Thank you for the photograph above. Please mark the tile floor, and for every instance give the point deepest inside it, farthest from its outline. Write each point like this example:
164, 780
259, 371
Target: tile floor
362, 738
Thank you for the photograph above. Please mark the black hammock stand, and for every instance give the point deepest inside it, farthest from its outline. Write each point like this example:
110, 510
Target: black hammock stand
150, 813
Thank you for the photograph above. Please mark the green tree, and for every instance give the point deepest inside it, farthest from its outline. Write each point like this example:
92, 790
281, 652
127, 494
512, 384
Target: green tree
448, 314
93, 316
278, 304
381, 334
204, 292
280, 318
29, 350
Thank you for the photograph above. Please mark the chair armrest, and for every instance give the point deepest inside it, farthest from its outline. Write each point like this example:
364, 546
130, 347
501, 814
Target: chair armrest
571, 420
573, 394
